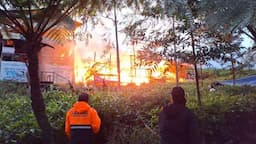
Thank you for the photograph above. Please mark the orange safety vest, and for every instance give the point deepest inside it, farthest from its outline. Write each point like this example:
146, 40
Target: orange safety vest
82, 115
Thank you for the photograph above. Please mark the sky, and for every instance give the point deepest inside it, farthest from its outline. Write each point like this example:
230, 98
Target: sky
105, 32
247, 42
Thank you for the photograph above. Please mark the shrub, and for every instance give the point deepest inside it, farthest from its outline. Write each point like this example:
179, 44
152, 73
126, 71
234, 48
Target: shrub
130, 115
17, 119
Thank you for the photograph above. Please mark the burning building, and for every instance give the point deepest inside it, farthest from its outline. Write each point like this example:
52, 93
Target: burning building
95, 64
56, 63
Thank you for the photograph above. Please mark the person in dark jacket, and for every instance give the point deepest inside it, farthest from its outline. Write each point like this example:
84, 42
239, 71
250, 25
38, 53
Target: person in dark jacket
178, 124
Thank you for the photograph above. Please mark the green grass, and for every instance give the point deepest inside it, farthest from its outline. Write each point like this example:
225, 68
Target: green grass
225, 74
130, 115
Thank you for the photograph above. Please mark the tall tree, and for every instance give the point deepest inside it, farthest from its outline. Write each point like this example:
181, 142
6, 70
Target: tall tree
225, 16
249, 59
227, 48
185, 9
33, 19
159, 41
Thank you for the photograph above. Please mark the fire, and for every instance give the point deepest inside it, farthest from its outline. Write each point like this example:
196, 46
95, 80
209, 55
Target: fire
103, 72
89, 70
62, 55
79, 68
137, 79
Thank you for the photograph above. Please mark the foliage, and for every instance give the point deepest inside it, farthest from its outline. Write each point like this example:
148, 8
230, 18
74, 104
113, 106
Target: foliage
17, 119
33, 20
196, 15
224, 74
130, 115
227, 16
225, 115
129, 111
57, 104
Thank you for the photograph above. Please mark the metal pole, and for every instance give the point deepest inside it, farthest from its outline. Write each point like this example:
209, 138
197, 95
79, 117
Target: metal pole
175, 57
117, 46
134, 56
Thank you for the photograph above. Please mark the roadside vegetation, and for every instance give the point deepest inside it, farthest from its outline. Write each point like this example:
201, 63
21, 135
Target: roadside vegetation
200, 30
225, 74
130, 115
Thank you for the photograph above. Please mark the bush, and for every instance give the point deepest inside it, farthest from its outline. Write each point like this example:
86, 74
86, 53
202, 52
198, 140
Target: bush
228, 115
16, 115
130, 115
17, 119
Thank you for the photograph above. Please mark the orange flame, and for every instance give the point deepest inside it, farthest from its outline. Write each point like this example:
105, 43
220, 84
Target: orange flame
104, 73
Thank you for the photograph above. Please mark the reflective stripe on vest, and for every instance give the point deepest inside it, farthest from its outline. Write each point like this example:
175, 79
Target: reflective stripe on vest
80, 127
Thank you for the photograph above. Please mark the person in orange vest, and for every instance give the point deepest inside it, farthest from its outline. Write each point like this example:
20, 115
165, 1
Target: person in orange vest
82, 122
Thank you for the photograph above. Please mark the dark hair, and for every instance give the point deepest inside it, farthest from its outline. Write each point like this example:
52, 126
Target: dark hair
178, 95
83, 97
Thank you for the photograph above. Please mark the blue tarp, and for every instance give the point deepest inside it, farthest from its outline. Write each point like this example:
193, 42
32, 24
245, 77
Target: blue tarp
250, 80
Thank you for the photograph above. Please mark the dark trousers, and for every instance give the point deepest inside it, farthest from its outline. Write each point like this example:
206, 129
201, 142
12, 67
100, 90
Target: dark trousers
81, 136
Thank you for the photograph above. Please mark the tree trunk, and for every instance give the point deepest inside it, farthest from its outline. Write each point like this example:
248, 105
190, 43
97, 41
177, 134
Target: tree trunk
201, 75
117, 48
38, 105
1, 45
233, 70
196, 71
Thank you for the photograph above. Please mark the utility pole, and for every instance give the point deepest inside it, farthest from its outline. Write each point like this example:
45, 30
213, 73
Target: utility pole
117, 46
175, 57
133, 51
